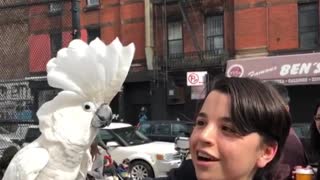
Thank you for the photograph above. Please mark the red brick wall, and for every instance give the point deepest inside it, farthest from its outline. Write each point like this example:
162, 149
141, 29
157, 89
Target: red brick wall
250, 28
271, 24
132, 26
119, 18
283, 27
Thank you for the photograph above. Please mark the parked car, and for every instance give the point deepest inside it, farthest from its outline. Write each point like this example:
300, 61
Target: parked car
6, 143
165, 130
147, 158
32, 134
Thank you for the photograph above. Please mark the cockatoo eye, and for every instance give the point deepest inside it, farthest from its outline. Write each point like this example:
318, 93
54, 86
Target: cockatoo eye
88, 106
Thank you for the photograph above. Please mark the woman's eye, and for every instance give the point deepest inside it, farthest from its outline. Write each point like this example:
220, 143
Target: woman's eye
200, 122
229, 129
88, 106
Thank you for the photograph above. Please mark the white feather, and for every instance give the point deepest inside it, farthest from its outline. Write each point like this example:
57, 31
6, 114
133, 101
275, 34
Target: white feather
86, 73
95, 71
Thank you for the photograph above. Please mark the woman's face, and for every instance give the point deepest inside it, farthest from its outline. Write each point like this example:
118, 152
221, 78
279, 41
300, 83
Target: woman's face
218, 151
317, 119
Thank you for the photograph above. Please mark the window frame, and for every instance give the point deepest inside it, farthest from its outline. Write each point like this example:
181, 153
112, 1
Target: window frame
55, 42
57, 11
213, 36
175, 39
90, 4
91, 31
316, 26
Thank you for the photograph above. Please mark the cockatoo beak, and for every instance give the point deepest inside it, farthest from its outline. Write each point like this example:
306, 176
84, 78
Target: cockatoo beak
102, 117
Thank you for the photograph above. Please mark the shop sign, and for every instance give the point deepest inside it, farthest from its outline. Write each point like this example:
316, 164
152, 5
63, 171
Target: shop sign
289, 70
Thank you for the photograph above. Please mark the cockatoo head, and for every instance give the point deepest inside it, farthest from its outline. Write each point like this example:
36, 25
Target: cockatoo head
89, 76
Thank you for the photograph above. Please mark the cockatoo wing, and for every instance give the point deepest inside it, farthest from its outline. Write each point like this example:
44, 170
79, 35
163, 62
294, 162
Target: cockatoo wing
27, 164
95, 71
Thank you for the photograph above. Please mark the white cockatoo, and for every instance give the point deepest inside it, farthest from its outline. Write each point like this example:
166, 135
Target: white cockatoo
89, 76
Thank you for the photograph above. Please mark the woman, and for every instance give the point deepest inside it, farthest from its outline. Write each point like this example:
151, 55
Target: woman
240, 131
315, 138
239, 134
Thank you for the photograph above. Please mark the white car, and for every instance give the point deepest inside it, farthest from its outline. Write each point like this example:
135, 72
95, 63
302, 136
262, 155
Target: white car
147, 158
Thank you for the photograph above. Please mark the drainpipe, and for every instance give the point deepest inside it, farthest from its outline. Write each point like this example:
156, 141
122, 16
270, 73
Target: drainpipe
75, 10
148, 11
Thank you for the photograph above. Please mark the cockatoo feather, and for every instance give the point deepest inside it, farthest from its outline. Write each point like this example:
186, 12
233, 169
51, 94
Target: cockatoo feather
108, 65
89, 76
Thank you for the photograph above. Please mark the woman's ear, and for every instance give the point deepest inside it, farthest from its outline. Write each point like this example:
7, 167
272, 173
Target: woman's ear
268, 151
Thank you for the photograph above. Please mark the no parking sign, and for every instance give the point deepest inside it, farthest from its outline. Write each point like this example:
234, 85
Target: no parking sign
196, 78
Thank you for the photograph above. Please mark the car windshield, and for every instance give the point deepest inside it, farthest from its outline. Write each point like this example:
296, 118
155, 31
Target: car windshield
130, 136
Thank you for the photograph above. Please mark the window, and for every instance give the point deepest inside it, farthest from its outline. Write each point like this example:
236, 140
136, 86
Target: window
175, 42
55, 7
93, 33
56, 42
92, 2
308, 25
214, 33
162, 129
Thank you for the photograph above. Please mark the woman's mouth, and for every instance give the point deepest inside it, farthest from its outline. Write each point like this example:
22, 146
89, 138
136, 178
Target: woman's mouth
205, 157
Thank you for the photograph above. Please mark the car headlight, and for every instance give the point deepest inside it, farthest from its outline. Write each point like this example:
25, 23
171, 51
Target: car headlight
167, 157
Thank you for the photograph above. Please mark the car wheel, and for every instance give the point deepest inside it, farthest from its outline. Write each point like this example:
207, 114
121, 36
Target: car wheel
139, 170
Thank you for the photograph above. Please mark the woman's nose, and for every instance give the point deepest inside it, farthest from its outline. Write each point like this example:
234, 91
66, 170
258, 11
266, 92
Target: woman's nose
208, 135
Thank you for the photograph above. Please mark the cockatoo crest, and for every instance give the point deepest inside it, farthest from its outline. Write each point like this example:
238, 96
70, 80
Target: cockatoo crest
95, 71
89, 75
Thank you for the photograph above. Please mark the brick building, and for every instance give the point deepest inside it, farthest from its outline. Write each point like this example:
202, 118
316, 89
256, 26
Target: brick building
207, 35
50, 28
175, 37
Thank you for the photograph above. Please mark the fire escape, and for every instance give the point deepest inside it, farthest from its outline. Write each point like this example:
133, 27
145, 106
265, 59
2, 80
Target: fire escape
196, 60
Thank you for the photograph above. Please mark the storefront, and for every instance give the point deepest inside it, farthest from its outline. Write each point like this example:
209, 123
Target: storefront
300, 73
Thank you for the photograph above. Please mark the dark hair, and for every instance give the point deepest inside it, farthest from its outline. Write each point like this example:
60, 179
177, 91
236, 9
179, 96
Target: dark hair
314, 133
257, 107
282, 90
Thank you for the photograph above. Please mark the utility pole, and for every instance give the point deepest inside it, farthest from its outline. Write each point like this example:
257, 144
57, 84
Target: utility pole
75, 9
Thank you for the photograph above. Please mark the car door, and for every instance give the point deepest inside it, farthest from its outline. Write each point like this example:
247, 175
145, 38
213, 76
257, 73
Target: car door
118, 153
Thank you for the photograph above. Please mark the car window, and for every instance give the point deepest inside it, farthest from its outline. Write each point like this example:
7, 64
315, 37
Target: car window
145, 128
106, 136
302, 129
130, 136
162, 129
181, 129
32, 134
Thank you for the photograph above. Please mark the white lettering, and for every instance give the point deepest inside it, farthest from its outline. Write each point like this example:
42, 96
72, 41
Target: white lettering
315, 79
295, 69
317, 70
298, 80
284, 70
305, 68
253, 73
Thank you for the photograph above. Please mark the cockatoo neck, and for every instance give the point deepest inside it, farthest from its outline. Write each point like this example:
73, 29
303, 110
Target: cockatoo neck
67, 142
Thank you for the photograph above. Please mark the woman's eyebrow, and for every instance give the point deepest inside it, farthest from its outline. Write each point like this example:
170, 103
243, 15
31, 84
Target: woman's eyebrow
226, 119
203, 115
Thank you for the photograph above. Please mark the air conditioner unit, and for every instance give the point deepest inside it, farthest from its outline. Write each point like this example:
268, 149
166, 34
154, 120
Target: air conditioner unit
93, 2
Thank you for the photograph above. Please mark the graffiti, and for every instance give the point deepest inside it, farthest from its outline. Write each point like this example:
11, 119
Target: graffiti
15, 91
15, 101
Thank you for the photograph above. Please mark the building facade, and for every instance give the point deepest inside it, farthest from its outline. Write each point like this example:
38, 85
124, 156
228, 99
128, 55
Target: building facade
172, 38
210, 35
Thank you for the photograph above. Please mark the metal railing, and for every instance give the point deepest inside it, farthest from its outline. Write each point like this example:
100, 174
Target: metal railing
212, 58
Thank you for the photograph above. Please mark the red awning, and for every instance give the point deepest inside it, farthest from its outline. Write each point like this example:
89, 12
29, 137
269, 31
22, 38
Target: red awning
289, 70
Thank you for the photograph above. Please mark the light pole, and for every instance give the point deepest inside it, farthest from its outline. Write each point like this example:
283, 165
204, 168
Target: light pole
75, 9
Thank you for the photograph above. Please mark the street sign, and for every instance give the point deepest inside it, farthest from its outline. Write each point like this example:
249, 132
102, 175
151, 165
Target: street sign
196, 78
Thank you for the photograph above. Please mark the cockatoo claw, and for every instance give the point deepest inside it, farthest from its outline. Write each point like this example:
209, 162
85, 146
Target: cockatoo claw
102, 117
